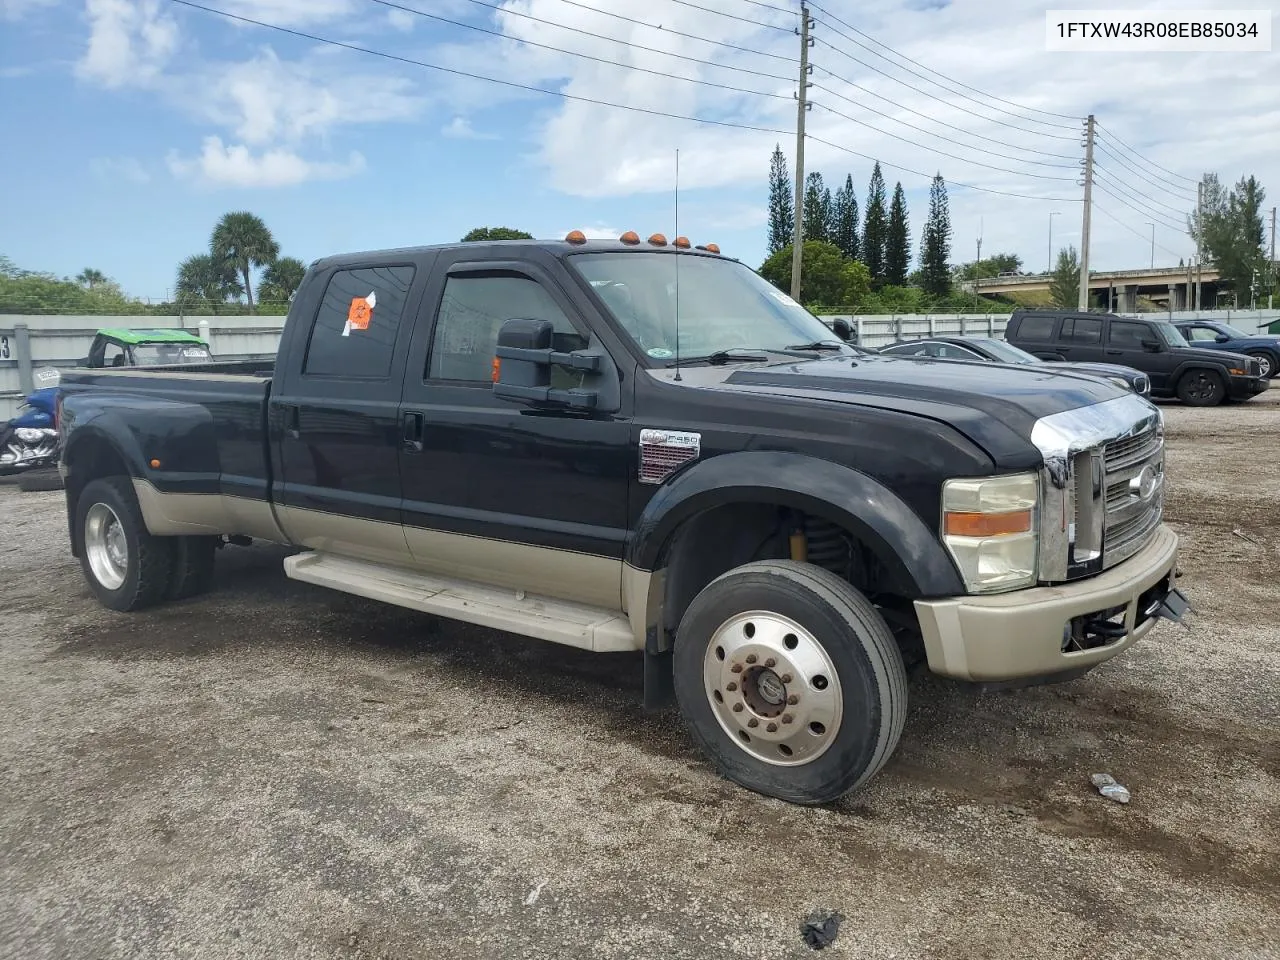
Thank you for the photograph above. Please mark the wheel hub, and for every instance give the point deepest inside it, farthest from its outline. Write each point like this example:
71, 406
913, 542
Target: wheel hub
773, 688
105, 546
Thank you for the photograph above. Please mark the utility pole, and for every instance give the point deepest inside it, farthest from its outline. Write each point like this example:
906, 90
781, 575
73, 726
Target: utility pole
1088, 210
1052, 214
802, 107
1271, 264
1153, 245
1199, 243
979, 260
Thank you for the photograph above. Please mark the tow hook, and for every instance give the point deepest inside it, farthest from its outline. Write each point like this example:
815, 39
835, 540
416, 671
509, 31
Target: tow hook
1173, 606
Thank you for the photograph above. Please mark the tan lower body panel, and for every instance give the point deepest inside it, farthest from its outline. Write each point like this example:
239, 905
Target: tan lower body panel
590, 628
1019, 635
205, 514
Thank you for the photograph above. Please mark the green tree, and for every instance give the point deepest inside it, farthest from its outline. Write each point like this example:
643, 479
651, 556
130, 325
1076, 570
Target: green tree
935, 245
495, 233
281, 279
204, 280
988, 267
824, 279
817, 208
1064, 288
875, 228
845, 214
243, 240
89, 277
897, 252
782, 211
1231, 232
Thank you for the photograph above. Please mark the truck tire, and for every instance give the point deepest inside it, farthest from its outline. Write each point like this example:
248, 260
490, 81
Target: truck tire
127, 568
40, 480
193, 559
1267, 361
790, 681
1201, 388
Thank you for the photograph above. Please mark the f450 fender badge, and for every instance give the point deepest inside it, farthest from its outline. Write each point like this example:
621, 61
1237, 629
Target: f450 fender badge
663, 452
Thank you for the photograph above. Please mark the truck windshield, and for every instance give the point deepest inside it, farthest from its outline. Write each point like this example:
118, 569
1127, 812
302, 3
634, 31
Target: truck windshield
724, 306
1169, 333
163, 354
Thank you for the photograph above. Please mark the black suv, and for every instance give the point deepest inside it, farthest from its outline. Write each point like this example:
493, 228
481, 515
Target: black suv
1199, 377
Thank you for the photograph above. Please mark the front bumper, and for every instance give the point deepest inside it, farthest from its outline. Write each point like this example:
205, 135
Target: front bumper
1020, 635
1243, 388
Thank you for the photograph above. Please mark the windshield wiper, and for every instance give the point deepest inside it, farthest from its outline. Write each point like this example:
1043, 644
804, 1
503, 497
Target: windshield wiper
817, 345
732, 355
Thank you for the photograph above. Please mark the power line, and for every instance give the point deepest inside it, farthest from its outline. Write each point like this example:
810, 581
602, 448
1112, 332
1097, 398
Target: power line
979, 163
902, 56
917, 173
1146, 175
1135, 231
1138, 196
769, 6
659, 27
1146, 161
734, 16
475, 76
1138, 210
585, 56
977, 136
934, 97
1147, 211
634, 46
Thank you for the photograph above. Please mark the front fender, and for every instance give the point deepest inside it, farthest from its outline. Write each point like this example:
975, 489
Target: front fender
917, 564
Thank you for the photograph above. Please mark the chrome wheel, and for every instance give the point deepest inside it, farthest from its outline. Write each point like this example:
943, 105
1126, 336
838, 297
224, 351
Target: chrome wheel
773, 688
105, 546
1264, 364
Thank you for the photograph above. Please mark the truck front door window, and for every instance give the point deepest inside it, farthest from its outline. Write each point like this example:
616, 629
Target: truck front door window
723, 305
1128, 334
355, 330
472, 309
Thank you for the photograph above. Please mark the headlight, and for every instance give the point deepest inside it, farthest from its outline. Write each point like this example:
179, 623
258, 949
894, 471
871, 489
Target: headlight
989, 526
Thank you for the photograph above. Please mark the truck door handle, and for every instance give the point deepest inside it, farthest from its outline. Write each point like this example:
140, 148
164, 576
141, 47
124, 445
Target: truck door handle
291, 422
411, 433
1114, 353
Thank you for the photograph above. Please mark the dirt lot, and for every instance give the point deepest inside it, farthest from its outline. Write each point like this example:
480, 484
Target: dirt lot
274, 771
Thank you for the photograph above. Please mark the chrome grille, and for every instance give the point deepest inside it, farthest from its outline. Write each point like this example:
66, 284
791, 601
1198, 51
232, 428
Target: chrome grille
1134, 470
1129, 450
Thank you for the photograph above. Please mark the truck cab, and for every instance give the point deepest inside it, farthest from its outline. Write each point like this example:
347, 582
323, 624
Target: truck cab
641, 445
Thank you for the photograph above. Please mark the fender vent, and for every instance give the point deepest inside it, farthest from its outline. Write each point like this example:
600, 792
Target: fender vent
663, 452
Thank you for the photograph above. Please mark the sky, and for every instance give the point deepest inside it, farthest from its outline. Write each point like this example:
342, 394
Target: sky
132, 125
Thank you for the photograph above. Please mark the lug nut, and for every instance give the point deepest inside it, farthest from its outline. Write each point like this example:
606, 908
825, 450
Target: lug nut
751, 658
737, 668
786, 678
772, 728
786, 717
793, 700
737, 708
771, 662
731, 686
753, 722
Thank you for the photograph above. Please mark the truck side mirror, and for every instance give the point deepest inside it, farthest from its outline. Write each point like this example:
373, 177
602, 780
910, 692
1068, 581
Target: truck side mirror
1151, 346
523, 361
1222, 338
842, 329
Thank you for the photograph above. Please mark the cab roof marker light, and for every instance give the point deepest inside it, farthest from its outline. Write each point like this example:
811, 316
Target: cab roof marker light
630, 237
681, 242
713, 248
658, 240
575, 236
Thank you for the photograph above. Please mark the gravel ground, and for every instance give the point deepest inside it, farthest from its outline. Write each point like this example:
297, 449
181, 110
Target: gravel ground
277, 771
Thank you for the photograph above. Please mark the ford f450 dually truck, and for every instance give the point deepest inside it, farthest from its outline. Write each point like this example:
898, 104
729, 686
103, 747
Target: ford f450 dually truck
643, 446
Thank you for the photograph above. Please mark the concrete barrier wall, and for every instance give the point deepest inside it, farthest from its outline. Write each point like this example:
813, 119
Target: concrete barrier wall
28, 342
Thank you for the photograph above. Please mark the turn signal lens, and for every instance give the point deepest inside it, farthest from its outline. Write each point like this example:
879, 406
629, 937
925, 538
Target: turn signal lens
575, 236
497, 366
658, 240
1236, 373
155, 464
630, 237
987, 524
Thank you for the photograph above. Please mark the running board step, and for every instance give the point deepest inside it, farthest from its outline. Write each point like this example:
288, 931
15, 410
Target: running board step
573, 624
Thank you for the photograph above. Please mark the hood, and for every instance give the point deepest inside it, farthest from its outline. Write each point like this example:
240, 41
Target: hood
994, 404
1213, 356
1261, 340
1099, 369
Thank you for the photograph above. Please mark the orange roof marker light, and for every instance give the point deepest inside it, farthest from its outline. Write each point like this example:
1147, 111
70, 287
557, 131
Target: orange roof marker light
713, 248
575, 236
658, 240
681, 242
630, 237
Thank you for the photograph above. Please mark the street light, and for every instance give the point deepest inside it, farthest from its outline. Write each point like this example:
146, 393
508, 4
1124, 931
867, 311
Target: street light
1051, 216
1153, 245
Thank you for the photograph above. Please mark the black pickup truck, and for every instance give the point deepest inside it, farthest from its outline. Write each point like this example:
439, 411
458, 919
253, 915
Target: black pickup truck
504, 434
1196, 376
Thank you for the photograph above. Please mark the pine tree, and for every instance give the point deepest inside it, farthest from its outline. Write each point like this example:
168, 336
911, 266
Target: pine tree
935, 245
827, 208
782, 211
846, 216
815, 216
897, 254
1064, 288
875, 228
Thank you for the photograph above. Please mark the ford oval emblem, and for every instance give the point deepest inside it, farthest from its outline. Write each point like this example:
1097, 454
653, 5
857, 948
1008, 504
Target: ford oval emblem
1144, 484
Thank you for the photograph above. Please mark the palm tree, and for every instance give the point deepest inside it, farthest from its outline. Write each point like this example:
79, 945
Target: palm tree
89, 277
243, 240
203, 279
282, 279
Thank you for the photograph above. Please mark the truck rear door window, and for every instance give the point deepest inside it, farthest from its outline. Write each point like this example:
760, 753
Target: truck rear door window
1036, 329
356, 327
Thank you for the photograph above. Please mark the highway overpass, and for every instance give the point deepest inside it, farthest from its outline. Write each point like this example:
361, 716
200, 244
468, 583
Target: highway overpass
1118, 290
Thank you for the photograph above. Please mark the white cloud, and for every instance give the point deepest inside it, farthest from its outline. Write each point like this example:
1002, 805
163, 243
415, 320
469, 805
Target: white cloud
459, 128
401, 20
129, 42
596, 232
291, 13
116, 169
236, 165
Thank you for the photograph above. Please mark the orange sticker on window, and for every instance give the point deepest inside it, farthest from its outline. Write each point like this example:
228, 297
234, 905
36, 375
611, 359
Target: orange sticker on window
359, 313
